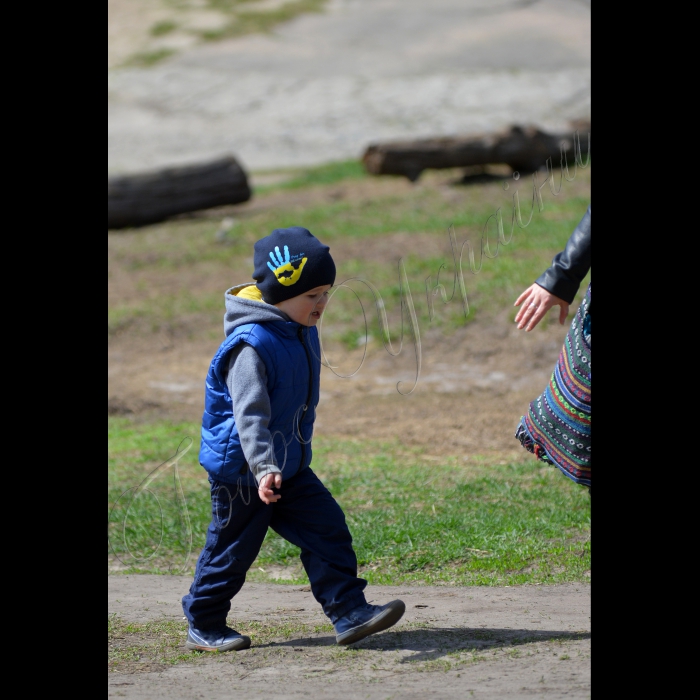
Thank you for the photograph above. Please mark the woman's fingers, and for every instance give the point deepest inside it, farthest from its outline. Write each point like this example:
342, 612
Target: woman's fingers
522, 297
537, 317
531, 314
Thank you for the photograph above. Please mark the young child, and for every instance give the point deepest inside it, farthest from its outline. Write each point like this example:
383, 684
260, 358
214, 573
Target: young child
260, 404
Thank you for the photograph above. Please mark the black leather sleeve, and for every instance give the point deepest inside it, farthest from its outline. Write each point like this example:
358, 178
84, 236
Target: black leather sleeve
570, 266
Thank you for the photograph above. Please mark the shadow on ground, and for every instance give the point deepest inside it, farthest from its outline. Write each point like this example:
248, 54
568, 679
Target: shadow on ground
434, 643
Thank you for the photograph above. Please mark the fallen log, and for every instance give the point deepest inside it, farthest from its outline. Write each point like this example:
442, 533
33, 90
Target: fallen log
522, 148
146, 198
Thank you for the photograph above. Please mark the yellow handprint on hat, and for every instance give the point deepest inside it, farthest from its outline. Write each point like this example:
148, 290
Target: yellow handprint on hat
284, 270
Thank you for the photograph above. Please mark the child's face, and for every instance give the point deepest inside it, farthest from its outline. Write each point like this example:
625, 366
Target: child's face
307, 307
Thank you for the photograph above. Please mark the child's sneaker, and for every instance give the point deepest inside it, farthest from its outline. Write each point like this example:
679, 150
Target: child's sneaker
224, 639
367, 619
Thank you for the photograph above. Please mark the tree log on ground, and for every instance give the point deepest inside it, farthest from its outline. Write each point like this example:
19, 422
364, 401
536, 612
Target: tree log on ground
522, 148
147, 198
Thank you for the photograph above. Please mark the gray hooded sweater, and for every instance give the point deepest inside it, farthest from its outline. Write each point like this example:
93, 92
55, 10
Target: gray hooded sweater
247, 383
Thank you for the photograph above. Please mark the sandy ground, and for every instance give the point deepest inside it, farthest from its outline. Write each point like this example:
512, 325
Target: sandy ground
323, 86
518, 642
471, 392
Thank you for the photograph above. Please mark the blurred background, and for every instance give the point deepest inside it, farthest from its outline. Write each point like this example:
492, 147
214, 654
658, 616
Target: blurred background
284, 83
295, 91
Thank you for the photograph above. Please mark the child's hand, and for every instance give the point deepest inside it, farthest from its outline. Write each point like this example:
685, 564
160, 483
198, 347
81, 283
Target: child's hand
267, 495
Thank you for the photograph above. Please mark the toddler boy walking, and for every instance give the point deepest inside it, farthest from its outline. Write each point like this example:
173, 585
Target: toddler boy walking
261, 394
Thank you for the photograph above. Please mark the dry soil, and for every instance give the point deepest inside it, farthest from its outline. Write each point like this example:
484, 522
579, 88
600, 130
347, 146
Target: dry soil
517, 642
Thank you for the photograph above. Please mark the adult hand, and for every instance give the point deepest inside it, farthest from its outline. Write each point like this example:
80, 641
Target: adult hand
267, 495
536, 302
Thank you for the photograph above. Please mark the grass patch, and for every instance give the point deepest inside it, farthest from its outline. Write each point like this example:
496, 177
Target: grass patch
145, 59
143, 647
163, 28
460, 523
327, 174
158, 513
251, 21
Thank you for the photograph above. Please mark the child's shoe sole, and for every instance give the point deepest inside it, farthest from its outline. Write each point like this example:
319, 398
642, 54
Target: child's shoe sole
392, 613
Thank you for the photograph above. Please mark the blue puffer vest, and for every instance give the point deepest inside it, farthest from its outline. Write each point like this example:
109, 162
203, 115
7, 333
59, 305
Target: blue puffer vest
291, 354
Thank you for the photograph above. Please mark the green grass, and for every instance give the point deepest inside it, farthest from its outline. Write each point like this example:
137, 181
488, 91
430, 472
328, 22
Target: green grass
473, 523
146, 59
162, 28
158, 643
491, 283
155, 525
327, 174
250, 21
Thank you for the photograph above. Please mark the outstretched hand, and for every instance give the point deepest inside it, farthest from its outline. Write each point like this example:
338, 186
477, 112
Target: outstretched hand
536, 302
267, 495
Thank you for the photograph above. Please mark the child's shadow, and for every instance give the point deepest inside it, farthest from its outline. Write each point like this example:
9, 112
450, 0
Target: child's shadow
434, 642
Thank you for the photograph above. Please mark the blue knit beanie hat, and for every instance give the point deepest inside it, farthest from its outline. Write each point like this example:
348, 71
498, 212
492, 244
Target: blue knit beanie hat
289, 262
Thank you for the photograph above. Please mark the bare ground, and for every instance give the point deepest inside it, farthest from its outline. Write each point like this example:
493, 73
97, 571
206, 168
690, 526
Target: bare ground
472, 390
519, 642
324, 86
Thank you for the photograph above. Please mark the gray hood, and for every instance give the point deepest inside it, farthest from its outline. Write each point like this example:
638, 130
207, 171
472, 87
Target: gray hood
240, 311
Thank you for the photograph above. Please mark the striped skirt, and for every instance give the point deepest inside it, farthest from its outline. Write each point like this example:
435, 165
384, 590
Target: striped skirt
557, 427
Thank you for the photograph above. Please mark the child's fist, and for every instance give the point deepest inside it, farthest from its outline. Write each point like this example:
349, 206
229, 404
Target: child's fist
267, 495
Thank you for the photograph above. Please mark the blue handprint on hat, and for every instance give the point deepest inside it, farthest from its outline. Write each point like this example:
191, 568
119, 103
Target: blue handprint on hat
283, 268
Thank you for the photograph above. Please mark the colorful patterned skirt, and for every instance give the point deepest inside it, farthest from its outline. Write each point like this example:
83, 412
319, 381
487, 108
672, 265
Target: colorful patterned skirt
557, 428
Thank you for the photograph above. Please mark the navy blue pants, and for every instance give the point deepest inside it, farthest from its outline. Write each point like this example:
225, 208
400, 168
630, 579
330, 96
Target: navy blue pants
306, 515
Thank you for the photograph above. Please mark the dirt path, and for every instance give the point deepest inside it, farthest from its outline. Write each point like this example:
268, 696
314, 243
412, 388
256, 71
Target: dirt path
515, 642
323, 86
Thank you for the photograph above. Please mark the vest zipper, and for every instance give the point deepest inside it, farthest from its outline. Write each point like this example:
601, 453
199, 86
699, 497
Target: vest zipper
308, 398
